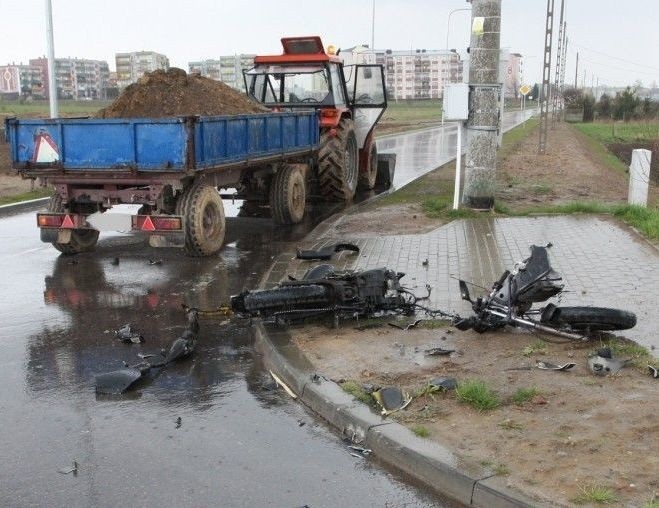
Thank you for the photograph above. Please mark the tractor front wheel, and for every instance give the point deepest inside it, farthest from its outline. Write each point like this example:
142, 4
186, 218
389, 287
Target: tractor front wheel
338, 162
288, 195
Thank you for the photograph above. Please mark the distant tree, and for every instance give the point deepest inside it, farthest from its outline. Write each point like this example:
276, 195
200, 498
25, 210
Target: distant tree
625, 105
588, 102
646, 107
638, 84
573, 98
604, 106
535, 92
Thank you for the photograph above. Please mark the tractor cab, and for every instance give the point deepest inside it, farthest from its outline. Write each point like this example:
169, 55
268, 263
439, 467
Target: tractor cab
350, 101
306, 76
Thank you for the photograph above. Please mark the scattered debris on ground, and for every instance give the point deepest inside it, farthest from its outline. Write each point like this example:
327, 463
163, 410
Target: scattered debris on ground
174, 93
326, 253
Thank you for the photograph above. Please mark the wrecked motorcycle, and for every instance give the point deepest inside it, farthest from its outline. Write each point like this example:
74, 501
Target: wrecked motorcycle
323, 290
511, 299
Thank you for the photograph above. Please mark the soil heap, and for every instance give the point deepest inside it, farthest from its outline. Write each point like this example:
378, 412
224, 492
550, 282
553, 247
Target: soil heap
174, 93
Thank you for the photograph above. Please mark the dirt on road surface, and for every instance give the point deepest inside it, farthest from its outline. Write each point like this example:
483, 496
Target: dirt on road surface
173, 92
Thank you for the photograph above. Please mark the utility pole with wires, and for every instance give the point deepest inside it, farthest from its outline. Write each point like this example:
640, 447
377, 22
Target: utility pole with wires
562, 84
546, 71
484, 119
556, 95
576, 71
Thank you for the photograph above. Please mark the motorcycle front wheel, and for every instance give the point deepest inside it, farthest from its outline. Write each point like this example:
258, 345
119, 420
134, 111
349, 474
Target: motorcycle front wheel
591, 318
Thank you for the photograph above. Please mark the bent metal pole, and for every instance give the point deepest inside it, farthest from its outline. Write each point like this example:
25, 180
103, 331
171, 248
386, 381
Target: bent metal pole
483, 121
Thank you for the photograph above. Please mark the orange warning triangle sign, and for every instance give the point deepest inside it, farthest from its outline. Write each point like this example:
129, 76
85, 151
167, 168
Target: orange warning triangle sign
147, 225
68, 223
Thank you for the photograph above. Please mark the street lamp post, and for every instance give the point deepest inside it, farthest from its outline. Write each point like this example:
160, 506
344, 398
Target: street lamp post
52, 83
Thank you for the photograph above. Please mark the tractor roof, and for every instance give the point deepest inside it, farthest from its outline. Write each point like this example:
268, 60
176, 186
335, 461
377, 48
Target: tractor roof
299, 50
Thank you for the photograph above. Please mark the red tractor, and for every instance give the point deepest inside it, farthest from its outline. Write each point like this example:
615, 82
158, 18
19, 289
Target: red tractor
350, 101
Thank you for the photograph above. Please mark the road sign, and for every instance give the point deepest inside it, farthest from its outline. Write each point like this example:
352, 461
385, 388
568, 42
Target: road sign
525, 89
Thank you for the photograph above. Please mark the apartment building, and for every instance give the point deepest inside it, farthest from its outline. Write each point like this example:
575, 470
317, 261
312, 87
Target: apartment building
228, 69
21, 81
132, 66
75, 78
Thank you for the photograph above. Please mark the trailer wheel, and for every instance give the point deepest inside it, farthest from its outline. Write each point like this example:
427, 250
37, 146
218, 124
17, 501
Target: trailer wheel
203, 216
338, 165
288, 195
367, 178
82, 240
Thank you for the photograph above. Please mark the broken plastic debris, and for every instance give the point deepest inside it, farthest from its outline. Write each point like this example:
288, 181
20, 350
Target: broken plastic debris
601, 366
360, 449
407, 326
283, 385
444, 383
551, 366
73, 469
653, 371
437, 351
127, 334
326, 253
391, 399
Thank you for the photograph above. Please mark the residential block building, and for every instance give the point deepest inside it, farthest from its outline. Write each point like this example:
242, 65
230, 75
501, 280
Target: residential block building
132, 66
228, 69
20, 81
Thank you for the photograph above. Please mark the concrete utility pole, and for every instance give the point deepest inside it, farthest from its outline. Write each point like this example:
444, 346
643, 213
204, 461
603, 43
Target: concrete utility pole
559, 64
546, 71
52, 79
485, 90
576, 71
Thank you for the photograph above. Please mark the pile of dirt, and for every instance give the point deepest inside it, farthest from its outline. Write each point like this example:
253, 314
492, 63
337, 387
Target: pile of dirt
174, 93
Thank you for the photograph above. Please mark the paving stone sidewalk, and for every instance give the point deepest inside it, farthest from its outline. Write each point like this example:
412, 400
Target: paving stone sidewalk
603, 263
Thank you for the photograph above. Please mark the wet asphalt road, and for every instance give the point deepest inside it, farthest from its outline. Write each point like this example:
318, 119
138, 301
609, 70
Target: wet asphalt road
239, 443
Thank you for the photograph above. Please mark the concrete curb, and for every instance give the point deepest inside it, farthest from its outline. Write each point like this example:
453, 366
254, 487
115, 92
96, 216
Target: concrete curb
430, 463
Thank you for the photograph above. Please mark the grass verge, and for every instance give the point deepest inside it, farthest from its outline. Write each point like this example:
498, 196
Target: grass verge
25, 196
595, 494
477, 394
358, 392
421, 430
523, 395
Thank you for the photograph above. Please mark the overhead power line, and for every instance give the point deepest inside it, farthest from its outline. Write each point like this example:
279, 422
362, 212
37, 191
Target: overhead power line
613, 67
617, 58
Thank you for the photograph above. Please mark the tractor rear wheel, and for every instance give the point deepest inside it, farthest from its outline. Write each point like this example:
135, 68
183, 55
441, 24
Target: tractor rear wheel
82, 240
367, 178
338, 165
203, 218
288, 195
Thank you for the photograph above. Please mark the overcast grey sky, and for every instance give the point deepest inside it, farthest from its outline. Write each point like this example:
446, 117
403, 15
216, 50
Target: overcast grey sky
618, 41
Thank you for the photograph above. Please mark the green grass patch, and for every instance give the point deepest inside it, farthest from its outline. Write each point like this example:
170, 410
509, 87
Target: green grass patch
357, 391
26, 196
501, 470
42, 107
477, 394
524, 395
537, 348
646, 220
595, 494
421, 431
620, 132
410, 111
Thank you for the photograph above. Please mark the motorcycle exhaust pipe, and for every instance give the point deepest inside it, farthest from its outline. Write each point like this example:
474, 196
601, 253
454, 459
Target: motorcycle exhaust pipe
538, 326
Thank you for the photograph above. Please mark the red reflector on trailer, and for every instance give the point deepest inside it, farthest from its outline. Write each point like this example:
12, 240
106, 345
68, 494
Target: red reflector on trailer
49, 221
68, 223
147, 225
167, 223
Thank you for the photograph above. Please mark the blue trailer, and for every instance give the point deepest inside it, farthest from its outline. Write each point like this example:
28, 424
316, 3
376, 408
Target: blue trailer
171, 166
320, 133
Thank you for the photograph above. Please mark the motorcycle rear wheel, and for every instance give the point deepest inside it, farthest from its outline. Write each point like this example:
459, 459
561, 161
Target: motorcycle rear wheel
592, 318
